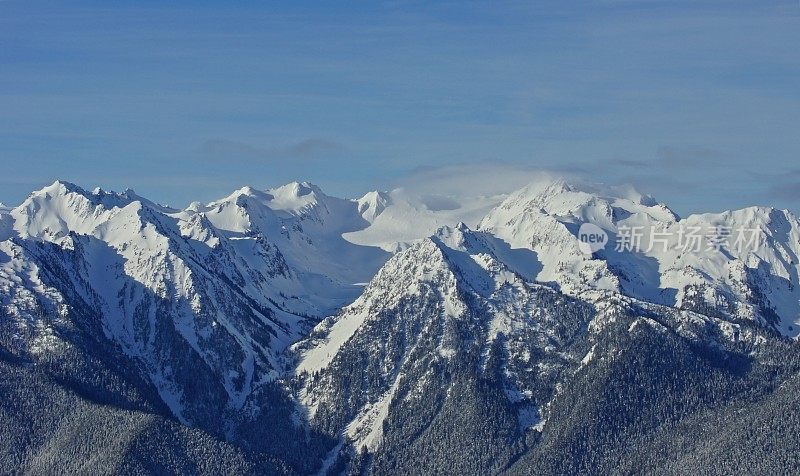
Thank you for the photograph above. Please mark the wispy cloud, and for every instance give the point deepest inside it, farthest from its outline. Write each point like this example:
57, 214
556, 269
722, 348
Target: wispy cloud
473, 180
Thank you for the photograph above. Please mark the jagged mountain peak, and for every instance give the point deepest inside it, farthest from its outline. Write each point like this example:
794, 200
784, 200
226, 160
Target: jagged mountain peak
298, 189
98, 197
441, 303
461, 238
297, 197
548, 187
454, 261
453, 235
664, 266
56, 210
59, 187
244, 192
582, 201
373, 204
376, 196
58, 190
293, 196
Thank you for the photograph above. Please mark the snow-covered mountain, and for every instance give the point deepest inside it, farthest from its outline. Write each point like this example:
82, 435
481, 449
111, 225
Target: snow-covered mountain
450, 348
323, 269
287, 321
399, 218
219, 289
753, 274
443, 300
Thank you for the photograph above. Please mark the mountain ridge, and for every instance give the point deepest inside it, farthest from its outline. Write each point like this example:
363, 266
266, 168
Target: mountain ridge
278, 322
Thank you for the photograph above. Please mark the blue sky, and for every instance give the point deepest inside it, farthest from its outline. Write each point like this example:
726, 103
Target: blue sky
695, 102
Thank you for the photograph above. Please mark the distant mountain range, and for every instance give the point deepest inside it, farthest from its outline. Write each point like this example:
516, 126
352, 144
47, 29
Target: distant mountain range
286, 331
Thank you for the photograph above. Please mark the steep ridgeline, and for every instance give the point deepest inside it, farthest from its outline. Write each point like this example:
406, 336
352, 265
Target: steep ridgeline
440, 340
753, 275
239, 336
191, 307
452, 363
324, 271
